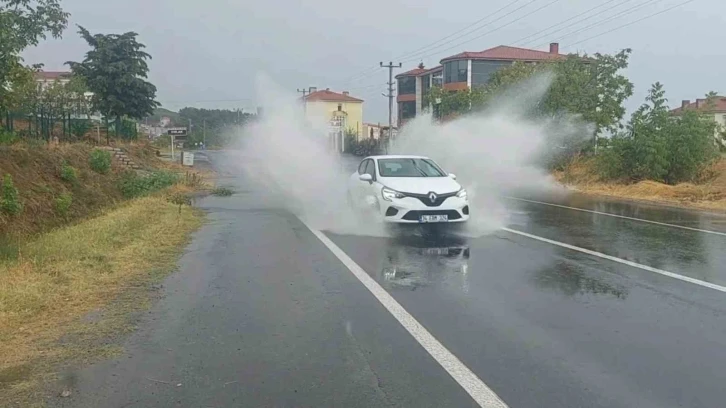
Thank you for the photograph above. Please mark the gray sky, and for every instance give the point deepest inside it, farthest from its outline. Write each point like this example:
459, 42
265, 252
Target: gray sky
207, 53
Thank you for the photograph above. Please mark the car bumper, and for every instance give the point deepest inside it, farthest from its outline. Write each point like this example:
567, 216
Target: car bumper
409, 210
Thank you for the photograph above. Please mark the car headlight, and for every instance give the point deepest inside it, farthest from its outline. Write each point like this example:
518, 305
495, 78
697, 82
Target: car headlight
389, 194
462, 194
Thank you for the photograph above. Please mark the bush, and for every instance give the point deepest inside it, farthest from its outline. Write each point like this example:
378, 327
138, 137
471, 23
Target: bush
132, 185
100, 161
68, 173
660, 147
80, 127
10, 202
63, 203
7, 137
222, 191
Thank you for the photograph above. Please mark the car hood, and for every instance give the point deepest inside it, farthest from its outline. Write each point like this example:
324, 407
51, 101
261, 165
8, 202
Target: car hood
421, 185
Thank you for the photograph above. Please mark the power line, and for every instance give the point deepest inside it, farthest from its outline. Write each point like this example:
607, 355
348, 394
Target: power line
633, 22
408, 54
368, 71
570, 19
419, 55
495, 29
608, 19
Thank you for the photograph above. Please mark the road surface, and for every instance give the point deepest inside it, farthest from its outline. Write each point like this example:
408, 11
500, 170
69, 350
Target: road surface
564, 308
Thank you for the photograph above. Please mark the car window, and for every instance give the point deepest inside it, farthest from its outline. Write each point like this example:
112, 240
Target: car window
371, 168
362, 167
409, 167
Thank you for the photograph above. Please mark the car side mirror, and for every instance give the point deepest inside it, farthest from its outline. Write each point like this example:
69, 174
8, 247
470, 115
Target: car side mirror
366, 177
452, 175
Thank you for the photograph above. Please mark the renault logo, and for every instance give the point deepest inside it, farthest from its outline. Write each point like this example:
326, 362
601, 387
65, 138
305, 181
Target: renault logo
432, 197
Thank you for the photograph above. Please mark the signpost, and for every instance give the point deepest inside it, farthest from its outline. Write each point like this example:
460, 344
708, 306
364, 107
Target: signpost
177, 134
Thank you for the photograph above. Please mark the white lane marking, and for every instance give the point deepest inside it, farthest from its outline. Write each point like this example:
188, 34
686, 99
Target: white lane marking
618, 216
622, 261
473, 385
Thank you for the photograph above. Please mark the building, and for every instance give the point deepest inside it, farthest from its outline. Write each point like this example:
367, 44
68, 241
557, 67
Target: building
459, 72
342, 112
717, 109
47, 78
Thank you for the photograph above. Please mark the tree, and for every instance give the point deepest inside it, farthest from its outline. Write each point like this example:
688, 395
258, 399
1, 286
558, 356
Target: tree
658, 146
115, 70
24, 23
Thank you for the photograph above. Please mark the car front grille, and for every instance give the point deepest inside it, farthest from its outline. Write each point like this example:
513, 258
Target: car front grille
415, 215
427, 201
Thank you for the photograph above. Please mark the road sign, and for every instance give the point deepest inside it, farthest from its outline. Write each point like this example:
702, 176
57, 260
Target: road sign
177, 132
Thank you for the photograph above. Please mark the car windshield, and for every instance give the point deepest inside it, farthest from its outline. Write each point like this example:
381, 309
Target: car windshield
409, 167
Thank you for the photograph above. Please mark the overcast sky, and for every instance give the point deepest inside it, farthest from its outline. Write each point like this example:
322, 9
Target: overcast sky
207, 53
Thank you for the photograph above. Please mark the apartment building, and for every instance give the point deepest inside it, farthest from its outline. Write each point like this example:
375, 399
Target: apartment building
459, 72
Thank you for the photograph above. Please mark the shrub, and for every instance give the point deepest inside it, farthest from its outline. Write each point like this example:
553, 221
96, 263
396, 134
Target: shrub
7, 137
100, 161
222, 191
68, 173
63, 203
193, 180
132, 185
10, 201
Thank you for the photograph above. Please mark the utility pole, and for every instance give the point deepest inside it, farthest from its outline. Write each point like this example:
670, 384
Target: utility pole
390, 96
305, 92
204, 134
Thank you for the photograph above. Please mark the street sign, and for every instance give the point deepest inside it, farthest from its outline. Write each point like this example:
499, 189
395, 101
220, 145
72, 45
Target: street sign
177, 132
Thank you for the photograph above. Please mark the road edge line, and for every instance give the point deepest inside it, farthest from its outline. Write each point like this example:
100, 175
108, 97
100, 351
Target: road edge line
665, 224
620, 260
484, 396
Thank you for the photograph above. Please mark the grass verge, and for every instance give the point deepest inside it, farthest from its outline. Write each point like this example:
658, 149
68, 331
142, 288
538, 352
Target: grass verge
709, 194
101, 267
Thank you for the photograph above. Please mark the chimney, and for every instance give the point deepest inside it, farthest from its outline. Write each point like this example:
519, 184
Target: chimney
685, 103
421, 65
327, 89
554, 48
346, 93
699, 102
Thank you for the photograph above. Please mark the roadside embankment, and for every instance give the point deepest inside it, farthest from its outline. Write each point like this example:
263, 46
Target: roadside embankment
708, 194
83, 246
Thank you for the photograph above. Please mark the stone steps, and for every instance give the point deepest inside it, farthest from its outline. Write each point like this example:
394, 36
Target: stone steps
121, 157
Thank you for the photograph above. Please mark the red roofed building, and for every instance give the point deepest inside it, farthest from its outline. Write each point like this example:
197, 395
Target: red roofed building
461, 71
341, 111
46, 78
717, 108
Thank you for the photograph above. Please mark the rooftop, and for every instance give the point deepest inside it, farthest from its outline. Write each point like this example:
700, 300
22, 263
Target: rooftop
51, 75
719, 106
507, 53
326, 95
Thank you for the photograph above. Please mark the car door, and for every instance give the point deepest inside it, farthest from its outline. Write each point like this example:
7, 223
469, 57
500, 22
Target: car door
369, 189
356, 185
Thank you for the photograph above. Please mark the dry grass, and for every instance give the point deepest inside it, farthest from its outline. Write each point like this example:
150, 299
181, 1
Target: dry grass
709, 194
65, 274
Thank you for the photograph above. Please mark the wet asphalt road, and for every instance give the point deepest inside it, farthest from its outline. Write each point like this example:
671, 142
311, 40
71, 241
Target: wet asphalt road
262, 314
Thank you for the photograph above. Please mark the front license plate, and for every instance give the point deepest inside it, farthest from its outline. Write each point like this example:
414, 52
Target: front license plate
436, 251
434, 218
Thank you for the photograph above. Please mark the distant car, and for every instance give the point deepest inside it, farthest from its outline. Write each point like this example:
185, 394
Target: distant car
407, 189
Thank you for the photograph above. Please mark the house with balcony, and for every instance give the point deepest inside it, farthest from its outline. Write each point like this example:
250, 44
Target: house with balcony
460, 72
342, 112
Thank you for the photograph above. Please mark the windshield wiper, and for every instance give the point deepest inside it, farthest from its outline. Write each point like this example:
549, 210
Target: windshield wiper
423, 173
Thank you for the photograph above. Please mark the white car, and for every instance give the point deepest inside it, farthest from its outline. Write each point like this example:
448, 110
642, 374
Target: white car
407, 189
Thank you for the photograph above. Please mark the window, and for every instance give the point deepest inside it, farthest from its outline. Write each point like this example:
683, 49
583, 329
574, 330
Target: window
425, 86
456, 71
407, 85
371, 168
481, 71
437, 79
362, 166
407, 110
340, 107
409, 167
